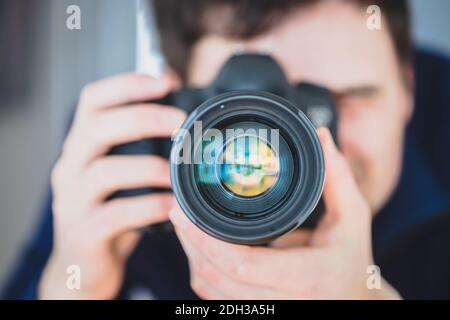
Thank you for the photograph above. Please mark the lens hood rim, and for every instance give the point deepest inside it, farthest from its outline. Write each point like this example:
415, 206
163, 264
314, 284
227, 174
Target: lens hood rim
283, 112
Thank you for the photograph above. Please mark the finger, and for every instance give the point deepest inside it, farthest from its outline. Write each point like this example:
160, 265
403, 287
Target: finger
95, 137
198, 284
112, 173
118, 216
264, 266
342, 196
211, 283
293, 239
173, 78
126, 242
122, 89
206, 291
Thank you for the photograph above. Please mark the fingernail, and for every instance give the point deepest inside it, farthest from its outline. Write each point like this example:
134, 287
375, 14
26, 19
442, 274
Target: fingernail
158, 83
181, 116
162, 84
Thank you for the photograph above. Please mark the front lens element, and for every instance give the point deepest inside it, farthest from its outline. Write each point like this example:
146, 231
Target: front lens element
249, 171
250, 166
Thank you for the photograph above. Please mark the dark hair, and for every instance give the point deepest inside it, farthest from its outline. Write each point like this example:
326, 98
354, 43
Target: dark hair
182, 23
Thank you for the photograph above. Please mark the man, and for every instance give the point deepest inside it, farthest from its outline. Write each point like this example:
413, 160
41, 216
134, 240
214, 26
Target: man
386, 191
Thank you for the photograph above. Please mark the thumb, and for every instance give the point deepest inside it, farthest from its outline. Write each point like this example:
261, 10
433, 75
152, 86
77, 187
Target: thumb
343, 199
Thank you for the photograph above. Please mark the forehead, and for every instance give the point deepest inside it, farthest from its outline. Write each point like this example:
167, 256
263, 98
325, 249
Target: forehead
331, 44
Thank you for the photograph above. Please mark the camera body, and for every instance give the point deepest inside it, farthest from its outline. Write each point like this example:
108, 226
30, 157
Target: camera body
244, 74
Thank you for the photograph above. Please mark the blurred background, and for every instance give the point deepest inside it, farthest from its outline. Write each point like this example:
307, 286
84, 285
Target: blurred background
50, 64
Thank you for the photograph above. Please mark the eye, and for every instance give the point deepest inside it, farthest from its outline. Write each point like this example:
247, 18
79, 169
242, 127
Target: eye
351, 101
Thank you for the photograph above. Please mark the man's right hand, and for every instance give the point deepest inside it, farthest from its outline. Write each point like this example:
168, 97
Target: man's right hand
95, 235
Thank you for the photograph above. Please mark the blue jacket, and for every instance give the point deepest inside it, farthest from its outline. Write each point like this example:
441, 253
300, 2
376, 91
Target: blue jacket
411, 235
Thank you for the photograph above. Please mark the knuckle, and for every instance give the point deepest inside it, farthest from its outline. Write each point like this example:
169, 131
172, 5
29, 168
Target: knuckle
208, 272
56, 174
198, 287
194, 282
56, 206
61, 178
67, 145
230, 266
87, 91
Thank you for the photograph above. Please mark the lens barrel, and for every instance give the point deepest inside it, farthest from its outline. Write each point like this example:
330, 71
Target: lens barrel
254, 171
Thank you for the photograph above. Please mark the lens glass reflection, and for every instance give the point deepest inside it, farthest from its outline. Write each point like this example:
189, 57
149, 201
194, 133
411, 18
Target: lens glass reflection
245, 173
250, 166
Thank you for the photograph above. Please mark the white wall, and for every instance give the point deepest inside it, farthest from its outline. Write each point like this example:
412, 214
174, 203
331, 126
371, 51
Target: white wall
31, 130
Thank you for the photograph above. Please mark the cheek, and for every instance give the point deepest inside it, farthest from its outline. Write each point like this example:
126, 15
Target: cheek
361, 134
371, 140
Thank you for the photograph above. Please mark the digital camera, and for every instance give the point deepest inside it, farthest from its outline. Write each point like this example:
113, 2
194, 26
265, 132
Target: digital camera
251, 190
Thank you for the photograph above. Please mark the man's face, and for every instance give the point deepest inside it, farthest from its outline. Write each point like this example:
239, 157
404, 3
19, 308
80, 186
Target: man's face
330, 44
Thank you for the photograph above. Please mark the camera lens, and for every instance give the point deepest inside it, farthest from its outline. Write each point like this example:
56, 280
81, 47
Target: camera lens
252, 167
